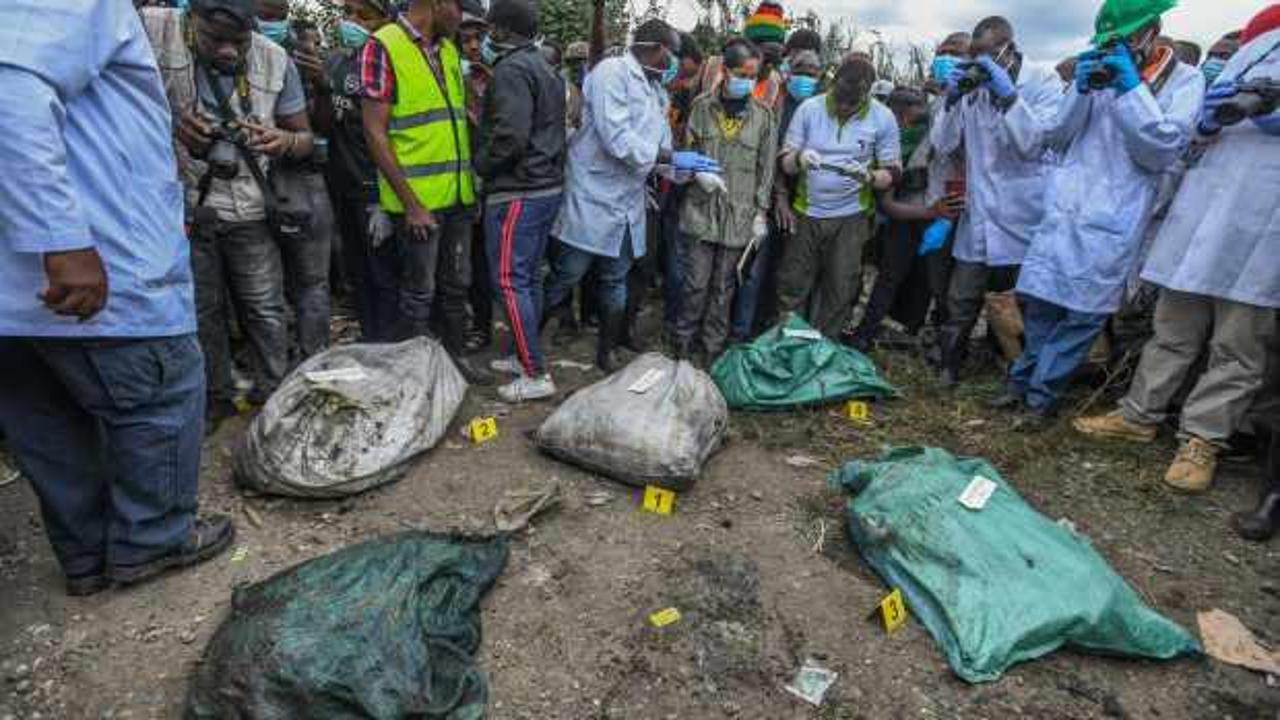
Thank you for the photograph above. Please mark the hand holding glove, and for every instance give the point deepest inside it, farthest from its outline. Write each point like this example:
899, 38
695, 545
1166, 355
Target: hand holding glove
380, 227
1217, 95
710, 183
1120, 59
998, 80
809, 159
881, 180
759, 227
694, 162
935, 236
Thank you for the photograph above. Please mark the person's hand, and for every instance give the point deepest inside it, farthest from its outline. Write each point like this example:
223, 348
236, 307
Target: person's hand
195, 133
998, 80
1088, 61
694, 162
380, 227
272, 142
881, 180
809, 159
957, 73
783, 216
949, 207
760, 227
311, 67
76, 283
710, 183
1269, 124
1217, 95
420, 222
1127, 76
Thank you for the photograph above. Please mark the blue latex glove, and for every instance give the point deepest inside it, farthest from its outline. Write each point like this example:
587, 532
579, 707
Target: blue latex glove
953, 83
1217, 95
1086, 63
998, 82
1269, 124
694, 162
1127, 75
935, 236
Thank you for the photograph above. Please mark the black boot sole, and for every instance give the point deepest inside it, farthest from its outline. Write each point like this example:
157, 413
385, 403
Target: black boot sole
134, 574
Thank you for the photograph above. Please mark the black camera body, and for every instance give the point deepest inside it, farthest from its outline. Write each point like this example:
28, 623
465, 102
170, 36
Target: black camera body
974, 77
1101, 77
1252, 99
224, 152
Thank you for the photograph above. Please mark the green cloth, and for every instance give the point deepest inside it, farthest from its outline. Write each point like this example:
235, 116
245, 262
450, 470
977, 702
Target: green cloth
747, 162
385, 629
782, 370
995, 586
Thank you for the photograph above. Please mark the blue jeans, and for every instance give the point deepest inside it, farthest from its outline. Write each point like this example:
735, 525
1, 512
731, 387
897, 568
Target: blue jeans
516, 234
109, 433
572, 264
1057, 341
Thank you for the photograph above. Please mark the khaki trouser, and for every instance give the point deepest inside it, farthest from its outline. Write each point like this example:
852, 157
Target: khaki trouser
821, 270
1238, 338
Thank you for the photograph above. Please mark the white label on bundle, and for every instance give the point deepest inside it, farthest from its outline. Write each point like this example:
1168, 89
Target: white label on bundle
803, 334
976, 495
646, 381
346, 374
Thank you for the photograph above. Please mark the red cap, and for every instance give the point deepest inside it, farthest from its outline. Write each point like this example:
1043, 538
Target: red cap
1263, 22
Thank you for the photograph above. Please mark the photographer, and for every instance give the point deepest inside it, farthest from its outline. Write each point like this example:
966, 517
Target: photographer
235, 97
1215, 262
1128, 121
1005, 181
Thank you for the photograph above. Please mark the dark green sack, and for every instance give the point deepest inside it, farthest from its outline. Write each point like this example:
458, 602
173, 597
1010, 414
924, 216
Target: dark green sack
791, 366
995, 586
384, 629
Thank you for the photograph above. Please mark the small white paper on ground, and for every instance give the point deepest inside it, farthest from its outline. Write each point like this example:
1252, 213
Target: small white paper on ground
803, 461
345, 374
976, 495
811, 683
646, 381
1228, 640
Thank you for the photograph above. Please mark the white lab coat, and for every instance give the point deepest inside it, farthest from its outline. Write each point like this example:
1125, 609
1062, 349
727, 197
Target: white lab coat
1005, 178
624, 126
1222, 235
1113, 151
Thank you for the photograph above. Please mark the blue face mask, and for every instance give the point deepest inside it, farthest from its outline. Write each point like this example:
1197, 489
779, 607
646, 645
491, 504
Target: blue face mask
671, 72
1212, 68
182, 4
943, 65
785, 67
802, 87
276, 31
352, 34
736, 88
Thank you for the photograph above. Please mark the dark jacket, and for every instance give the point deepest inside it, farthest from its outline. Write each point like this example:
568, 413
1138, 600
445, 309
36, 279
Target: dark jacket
522, 131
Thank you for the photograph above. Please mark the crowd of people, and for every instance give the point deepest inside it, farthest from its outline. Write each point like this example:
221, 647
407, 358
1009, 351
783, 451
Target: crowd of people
441, 159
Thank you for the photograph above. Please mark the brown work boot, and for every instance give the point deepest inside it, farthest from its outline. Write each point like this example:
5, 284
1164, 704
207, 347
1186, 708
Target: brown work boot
1192, 470
1115, 426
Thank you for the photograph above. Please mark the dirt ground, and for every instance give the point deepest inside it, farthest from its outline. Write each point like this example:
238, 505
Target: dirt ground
755, 557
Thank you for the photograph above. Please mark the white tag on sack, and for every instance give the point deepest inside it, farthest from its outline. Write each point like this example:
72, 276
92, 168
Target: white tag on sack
976, 495
346, 374
646, 381
803, 334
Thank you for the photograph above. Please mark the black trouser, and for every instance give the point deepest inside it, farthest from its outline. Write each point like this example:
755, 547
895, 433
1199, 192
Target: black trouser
439, 265
897, 258
374, 273
970, 283
482, 290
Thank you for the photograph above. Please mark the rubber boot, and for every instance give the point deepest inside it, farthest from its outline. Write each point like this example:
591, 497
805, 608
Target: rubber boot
630, 330
455, 332
1263, 522
610, 328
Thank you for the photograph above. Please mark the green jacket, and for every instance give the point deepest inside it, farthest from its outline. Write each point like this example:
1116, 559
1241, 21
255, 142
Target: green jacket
746, 162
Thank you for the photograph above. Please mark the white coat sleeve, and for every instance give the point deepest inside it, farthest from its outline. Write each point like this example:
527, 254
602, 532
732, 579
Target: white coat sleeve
947, 133
1068, 122
1031, 117
1154, 137
611, 113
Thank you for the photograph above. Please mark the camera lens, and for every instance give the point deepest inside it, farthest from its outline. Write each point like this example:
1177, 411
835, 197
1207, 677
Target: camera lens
1101, 78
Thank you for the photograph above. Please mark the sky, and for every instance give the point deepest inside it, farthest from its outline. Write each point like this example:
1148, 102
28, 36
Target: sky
1047, 30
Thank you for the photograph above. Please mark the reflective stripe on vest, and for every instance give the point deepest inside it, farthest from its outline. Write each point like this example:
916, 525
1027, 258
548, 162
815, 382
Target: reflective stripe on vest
428, 125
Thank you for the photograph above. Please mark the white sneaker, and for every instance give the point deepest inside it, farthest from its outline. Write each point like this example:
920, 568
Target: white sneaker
526, 388
509, 365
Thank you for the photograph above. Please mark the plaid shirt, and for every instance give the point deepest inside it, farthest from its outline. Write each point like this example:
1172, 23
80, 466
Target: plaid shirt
377, 77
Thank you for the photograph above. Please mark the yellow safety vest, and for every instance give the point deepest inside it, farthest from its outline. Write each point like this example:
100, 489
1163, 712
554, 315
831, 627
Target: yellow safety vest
428, 128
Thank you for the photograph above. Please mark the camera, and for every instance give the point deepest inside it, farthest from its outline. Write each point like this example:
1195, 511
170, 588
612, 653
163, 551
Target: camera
224, 152
974, 77
1101, 77
1252, 98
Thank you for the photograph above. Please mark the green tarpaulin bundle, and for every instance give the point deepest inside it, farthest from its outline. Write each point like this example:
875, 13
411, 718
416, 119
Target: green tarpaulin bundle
792, 366
997, 585
385, 629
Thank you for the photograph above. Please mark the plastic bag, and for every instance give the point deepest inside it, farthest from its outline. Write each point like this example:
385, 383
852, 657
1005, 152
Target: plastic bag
998, 585
350, 419
793, 365
384, 629
655, 422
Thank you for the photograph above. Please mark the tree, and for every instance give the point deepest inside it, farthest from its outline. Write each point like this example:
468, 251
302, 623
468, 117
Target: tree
566, 21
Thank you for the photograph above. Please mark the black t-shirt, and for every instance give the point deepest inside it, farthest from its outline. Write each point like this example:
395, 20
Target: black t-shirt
351, 172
